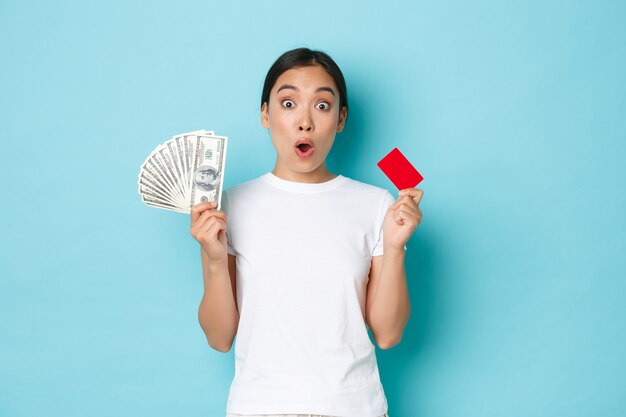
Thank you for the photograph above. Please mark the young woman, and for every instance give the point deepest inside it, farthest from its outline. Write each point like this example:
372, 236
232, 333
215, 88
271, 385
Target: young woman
304, 271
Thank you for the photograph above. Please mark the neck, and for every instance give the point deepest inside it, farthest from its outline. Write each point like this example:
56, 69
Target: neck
319, 175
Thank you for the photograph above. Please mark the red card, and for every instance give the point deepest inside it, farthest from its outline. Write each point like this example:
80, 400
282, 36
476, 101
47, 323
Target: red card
399, 170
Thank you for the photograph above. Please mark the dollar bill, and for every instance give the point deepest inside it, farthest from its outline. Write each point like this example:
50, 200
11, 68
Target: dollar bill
208, 170
184, 171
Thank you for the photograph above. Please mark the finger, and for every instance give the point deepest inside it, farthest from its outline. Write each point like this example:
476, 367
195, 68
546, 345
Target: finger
411, 209
210, 220
201, 219
408, 205
204, 233
205, 217
414, 193
404, 201
201, 222
213, 229
407, 201
211, 224
406, 218
201, 207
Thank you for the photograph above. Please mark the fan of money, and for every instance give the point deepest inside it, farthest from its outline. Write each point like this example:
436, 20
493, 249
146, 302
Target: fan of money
184, 171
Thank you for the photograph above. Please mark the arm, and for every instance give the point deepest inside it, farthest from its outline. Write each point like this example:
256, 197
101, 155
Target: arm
217, 313
387, 305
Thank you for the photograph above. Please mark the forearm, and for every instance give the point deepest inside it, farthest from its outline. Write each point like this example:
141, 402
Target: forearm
391, 308
217, 314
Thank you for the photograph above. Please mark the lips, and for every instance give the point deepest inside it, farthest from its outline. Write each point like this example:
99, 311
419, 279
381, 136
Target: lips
304, 147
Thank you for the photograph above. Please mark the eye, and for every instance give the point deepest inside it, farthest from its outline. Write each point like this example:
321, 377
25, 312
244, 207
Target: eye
288, 103
322, 105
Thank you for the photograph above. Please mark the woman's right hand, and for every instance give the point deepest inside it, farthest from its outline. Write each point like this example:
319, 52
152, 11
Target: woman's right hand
208, 227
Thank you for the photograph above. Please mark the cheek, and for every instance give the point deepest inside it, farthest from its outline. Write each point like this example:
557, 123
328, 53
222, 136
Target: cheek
328, 122
280, 121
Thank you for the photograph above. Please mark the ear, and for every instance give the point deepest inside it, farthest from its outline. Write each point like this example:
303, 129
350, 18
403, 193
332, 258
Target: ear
265, 117
342, 118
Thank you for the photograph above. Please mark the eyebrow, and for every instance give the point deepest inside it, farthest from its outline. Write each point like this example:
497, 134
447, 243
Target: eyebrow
293, 87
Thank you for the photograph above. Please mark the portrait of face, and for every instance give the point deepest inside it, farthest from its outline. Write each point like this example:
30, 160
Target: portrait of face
206, 178
304, 105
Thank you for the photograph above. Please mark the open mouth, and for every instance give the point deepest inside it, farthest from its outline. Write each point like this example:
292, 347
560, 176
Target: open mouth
304, 147
304, 150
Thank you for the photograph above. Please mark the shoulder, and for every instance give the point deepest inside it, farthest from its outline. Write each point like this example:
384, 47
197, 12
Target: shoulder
376, 200
368, 191
237, 190
243, 195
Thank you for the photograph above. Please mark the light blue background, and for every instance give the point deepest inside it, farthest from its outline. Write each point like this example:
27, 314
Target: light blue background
515, 113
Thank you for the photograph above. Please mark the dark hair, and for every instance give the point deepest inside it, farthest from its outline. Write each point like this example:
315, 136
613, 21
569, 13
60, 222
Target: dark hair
304, 57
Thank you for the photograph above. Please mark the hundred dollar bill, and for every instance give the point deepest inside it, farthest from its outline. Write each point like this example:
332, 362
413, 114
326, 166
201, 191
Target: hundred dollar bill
207, 175
185, 170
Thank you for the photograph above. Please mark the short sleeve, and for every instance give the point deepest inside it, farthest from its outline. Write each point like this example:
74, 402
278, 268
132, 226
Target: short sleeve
224, 208
386, 202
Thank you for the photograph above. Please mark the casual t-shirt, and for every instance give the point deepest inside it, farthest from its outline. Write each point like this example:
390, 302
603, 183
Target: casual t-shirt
304, 253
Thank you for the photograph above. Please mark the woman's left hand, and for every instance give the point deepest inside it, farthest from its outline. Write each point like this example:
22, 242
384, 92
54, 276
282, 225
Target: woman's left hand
402, 218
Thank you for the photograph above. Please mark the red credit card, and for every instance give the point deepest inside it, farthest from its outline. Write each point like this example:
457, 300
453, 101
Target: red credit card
399, 170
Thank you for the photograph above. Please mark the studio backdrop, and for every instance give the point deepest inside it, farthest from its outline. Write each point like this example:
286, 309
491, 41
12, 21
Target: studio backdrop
514, 112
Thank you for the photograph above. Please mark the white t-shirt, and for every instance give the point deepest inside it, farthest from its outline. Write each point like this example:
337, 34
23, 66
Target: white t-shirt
304, 253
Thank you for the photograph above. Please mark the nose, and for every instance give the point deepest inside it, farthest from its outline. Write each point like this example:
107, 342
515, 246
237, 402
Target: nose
306, 123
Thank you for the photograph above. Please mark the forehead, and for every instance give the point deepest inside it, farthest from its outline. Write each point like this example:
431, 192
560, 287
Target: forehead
306, 78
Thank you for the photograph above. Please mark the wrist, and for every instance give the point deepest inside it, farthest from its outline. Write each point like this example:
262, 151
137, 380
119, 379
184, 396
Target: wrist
216, 265
394, 251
